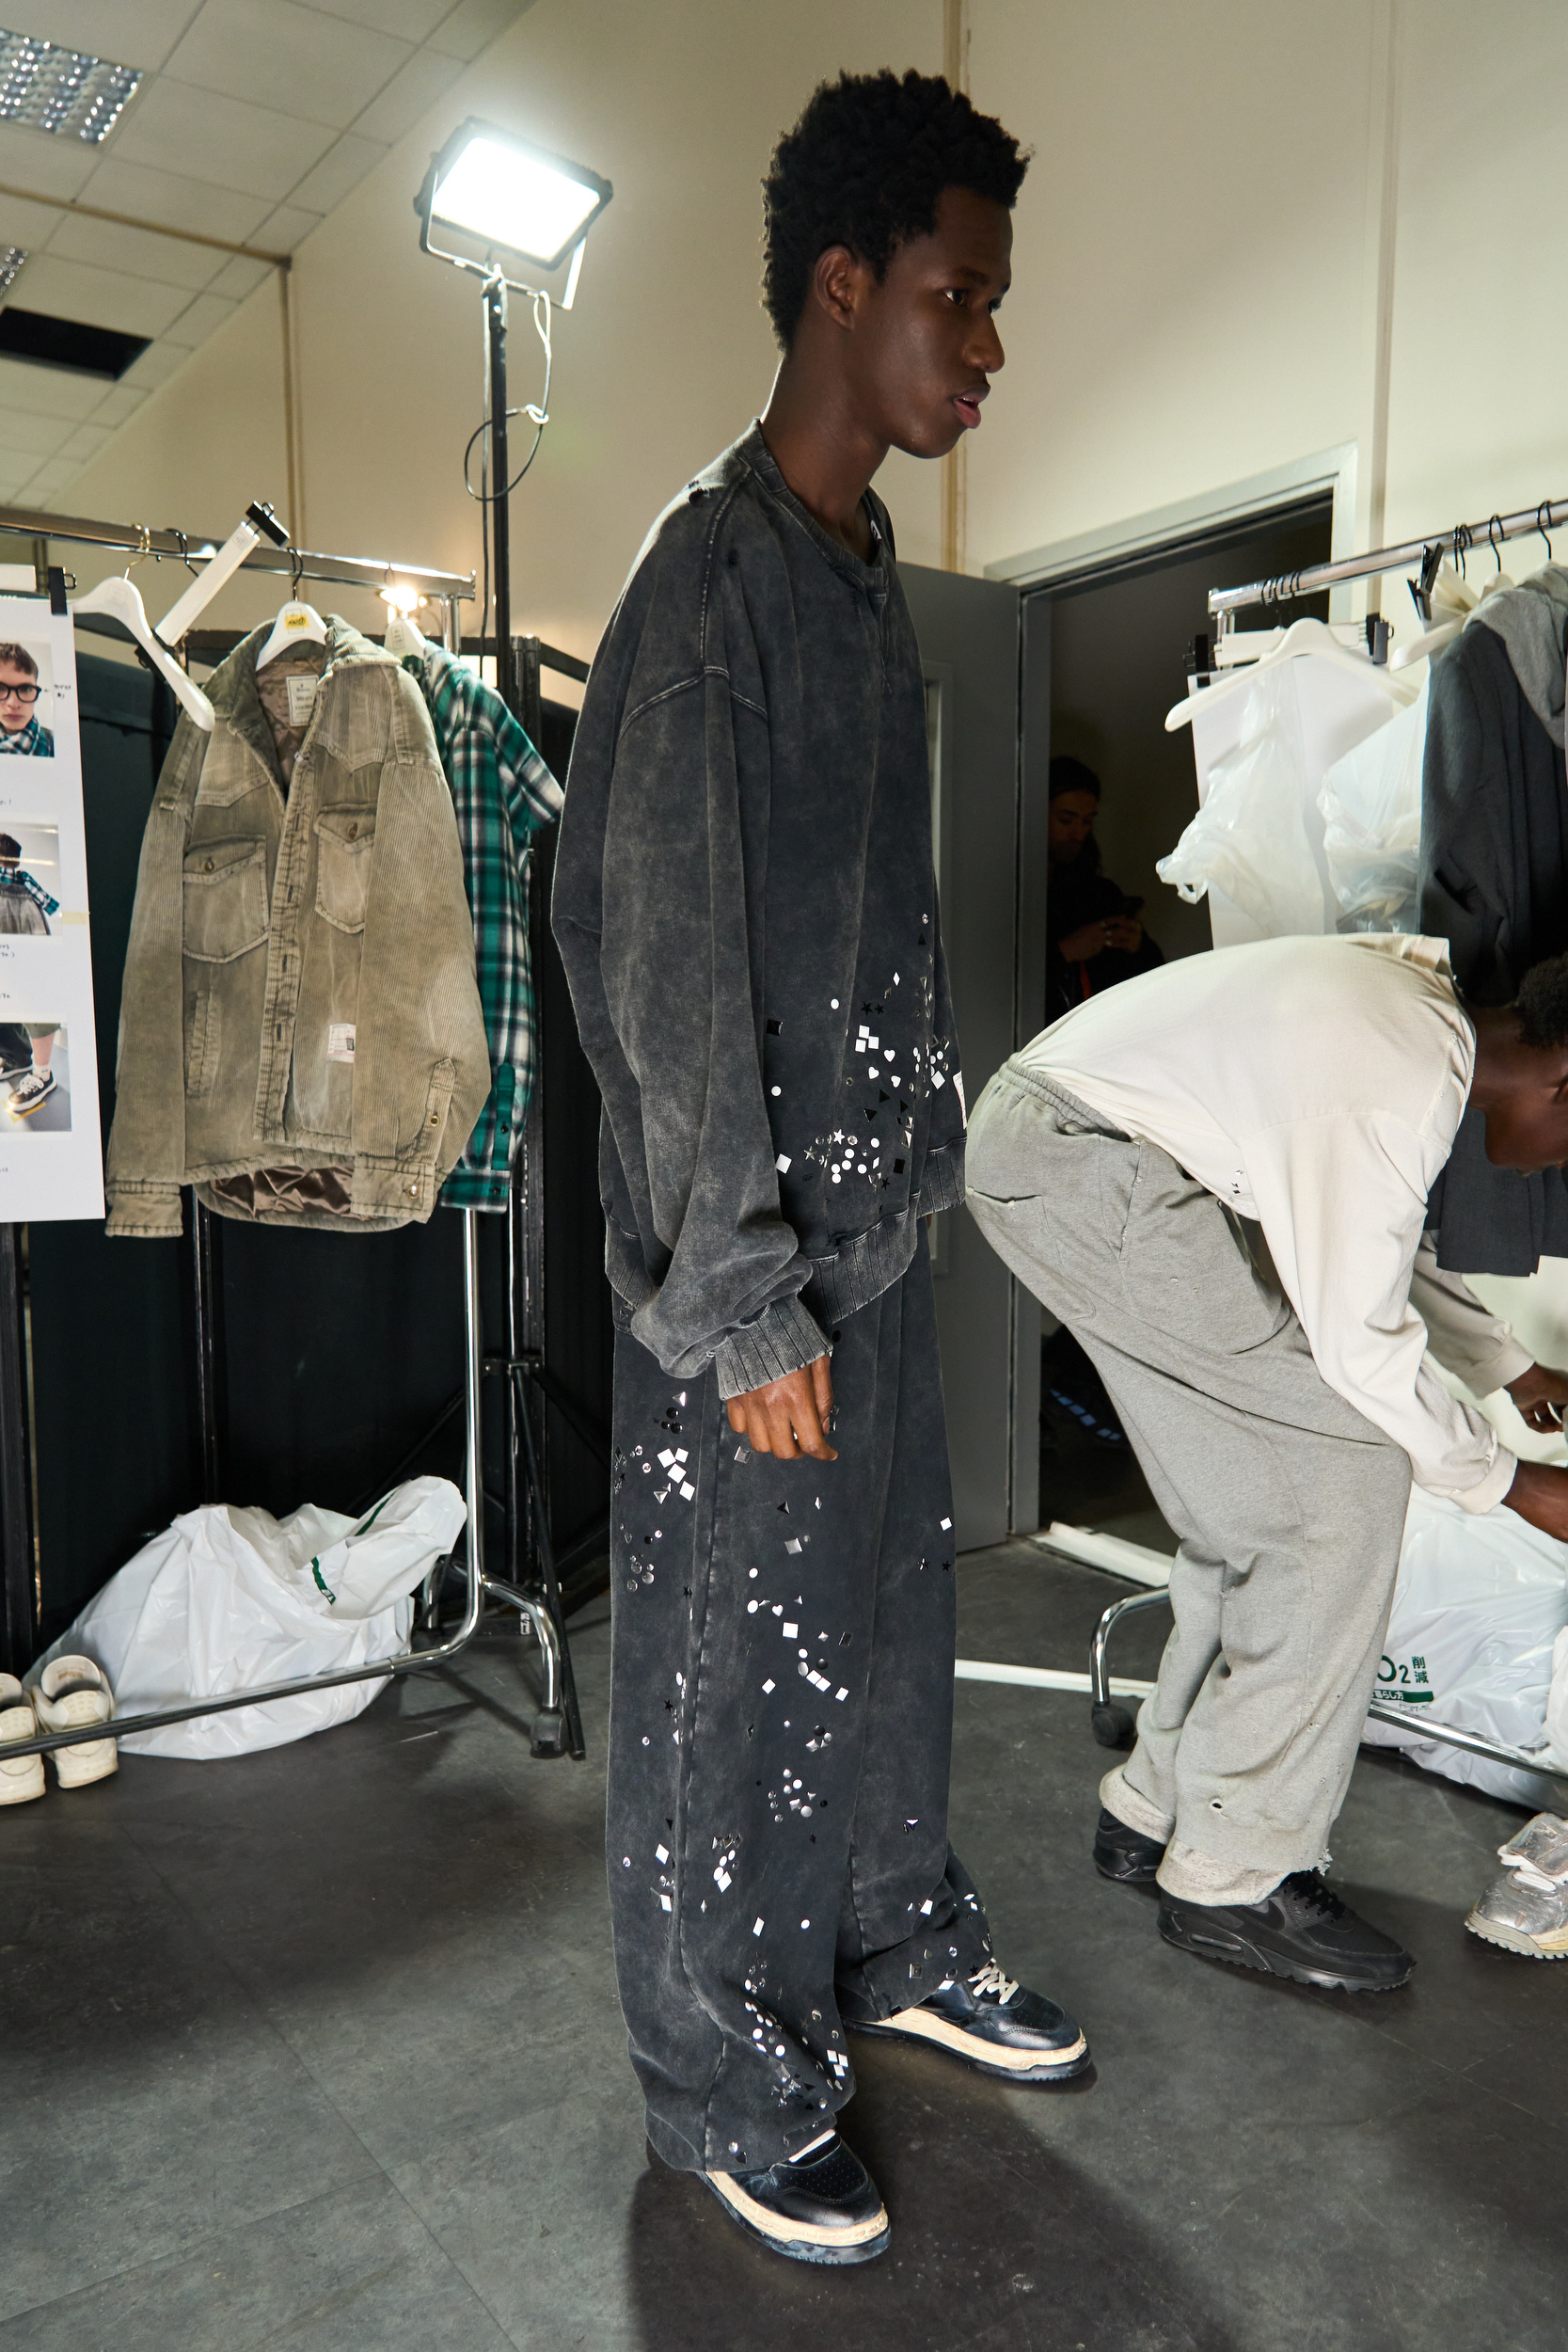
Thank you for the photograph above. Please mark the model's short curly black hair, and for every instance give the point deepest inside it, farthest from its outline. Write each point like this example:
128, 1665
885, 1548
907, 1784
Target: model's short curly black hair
1542, 1005
864, 167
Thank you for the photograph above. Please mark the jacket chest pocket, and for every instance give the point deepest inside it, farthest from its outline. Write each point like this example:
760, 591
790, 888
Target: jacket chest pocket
225, 899
344, 840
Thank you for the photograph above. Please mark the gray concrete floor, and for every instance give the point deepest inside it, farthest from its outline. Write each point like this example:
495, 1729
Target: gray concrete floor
318, 2049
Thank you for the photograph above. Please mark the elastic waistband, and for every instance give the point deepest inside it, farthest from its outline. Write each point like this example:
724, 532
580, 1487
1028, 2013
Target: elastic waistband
1076, 1112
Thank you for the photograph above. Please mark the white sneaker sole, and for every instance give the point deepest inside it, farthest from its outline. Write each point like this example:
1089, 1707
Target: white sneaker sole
808, 2241
1515, 1940
1031, 2065
78, 1768
19, 1782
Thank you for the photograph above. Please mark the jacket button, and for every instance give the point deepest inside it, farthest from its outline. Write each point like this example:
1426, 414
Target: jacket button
353, 832
413, 1192
208, 868
434, 1118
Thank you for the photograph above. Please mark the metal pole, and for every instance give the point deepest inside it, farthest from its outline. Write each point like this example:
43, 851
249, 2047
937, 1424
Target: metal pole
205, 1303
16, 1511
501, 529
1549, 516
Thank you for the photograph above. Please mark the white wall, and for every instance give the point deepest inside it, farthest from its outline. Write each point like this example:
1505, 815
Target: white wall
666, 357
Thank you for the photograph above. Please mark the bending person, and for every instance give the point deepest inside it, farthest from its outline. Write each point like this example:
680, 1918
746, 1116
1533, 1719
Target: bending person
1217, 1177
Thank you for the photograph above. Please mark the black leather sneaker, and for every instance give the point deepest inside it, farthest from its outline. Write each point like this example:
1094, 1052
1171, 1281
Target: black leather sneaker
822, 2207
995, 2024
1125, 1854
1301, 1931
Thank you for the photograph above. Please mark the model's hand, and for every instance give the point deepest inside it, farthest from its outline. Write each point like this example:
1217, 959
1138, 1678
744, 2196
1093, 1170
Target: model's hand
789, 1417
1085, 943
1539, 1494
1541, 1395
1126, 932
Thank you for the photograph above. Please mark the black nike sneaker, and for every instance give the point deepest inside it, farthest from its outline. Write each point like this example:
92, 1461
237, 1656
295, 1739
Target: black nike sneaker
1125, 1854
1302, 1931
990, 2021
822, 2206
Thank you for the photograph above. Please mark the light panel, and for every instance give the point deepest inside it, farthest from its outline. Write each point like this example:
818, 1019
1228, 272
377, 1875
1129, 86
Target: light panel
11, 259
63, 90
505, 192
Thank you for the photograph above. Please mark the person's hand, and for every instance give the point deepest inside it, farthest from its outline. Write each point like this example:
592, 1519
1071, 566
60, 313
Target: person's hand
1126, 932
1541, 1394
1539, 1494
1085, 943
788, 1417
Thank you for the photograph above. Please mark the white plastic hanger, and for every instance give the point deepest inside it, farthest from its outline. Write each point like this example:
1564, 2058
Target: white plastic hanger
402, 637
1301, 637
297, 625
122, 602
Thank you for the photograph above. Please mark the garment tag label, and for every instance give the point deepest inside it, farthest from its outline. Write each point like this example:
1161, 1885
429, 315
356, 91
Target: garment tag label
340, 1036
301, 699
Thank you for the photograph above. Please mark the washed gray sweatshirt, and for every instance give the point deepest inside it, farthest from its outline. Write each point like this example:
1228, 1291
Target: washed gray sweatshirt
746, 909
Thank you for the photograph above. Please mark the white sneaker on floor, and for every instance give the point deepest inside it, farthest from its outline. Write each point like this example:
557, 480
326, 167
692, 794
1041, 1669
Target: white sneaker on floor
20, 1776
73, 1691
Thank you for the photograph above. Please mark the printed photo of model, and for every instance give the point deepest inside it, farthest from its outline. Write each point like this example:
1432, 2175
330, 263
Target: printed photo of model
26, 702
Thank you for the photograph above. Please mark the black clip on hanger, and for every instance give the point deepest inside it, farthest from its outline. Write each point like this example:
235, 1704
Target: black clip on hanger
1420, 593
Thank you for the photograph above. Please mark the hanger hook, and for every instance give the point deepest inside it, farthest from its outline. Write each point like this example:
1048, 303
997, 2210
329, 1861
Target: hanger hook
1495, 536
1462, 537
1544, 508
298, 570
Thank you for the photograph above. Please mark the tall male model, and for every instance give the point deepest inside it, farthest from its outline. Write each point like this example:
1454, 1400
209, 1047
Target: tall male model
745, 904
1217, 1176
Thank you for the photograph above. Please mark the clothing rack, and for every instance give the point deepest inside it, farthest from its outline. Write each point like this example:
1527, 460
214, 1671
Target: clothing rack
452, 590
1428, 553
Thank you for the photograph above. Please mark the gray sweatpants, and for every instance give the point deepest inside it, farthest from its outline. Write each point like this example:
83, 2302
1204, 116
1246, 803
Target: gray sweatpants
1288, 1505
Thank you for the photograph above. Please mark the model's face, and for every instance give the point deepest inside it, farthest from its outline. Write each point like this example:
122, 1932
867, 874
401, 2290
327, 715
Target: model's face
1068, 825
18, 698
924, 343
1528, 1128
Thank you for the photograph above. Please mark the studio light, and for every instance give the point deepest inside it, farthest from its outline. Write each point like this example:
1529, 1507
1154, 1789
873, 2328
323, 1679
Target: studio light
494, 204
509, 198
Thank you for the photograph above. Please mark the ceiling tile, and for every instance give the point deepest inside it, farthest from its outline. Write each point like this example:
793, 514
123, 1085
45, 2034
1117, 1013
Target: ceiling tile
116, 405
29, 225
343, 168
142, 34
222, 139
473, 25
34, 436
42, 164
134, 253
239, 277
409, 95
275, 54
285, 230
155, 366
193, 326
98, 297
47, 391
84, 443
51, 475
409, 20
15, 467
170, 197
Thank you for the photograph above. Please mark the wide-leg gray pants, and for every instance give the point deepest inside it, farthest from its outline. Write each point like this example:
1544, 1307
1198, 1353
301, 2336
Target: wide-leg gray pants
780, 1736
1288, 1504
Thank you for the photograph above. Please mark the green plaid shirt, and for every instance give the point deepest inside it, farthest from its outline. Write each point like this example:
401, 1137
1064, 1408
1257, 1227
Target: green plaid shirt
504, 793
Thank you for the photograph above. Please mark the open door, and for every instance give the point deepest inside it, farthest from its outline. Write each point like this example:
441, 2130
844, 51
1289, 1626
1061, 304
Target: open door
992, 921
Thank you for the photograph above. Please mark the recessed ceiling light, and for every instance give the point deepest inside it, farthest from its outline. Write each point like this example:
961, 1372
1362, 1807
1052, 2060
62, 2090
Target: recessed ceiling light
11, 259
51, 89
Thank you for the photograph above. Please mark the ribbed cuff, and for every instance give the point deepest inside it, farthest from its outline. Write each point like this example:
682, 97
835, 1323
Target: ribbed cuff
941, 1181
782, 1338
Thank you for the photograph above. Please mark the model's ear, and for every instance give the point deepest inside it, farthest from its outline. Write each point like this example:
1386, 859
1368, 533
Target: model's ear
839, 283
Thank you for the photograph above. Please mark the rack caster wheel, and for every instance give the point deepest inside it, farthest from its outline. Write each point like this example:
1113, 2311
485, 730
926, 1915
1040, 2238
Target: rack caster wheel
1113, 1726
550, 1733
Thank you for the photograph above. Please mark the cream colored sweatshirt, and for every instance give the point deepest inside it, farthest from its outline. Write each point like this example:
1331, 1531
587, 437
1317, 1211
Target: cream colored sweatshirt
1315, 1084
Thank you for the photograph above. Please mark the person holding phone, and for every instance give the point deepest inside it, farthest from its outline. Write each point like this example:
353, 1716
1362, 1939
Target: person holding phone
1094, 931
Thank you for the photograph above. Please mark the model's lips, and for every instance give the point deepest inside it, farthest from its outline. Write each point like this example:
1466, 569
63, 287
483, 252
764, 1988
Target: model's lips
968, 403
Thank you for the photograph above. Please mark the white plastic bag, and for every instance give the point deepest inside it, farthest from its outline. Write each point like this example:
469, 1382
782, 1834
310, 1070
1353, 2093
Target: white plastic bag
1480, 1603
231, 1599
1372, 809
1250, 839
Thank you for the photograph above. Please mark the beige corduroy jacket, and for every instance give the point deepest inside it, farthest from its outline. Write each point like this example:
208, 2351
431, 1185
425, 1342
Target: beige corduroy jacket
300, 1034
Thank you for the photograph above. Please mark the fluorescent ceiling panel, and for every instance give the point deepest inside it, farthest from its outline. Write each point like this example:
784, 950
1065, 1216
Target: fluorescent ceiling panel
50, 89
